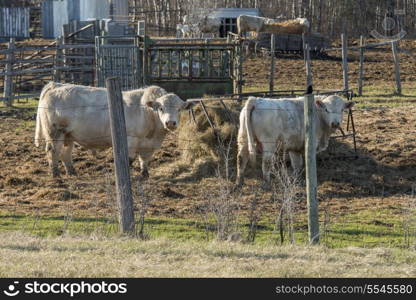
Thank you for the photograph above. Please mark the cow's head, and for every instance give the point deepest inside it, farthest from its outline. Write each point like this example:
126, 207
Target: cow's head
168, 108
332, 109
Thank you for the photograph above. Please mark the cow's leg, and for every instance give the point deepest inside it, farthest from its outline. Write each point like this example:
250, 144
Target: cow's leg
296, 160
132, 145
66, 156
54, 145
145, 156
242, 159
268, 151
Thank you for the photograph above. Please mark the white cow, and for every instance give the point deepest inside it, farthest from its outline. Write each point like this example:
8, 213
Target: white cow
70, 113
256, 24
267, 123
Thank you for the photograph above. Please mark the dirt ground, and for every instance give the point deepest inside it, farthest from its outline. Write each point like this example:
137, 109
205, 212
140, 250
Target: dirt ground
327, 70
383, 175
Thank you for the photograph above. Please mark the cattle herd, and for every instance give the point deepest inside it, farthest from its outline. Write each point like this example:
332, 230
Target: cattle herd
69, 114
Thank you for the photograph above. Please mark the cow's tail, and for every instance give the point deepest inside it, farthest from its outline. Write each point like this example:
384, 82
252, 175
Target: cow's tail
39, 131
250, 105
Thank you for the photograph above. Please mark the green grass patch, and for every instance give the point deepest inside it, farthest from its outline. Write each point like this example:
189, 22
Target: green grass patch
366, 229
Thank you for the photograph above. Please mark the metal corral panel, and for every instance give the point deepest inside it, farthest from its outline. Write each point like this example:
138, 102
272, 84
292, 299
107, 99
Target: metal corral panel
119, 57
14, 22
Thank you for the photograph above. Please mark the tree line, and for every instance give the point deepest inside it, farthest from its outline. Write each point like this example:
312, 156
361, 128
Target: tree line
328, 17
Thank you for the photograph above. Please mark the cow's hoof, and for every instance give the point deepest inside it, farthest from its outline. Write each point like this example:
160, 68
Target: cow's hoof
144, 175
236, 188
55, 173
266, 186
131, 161
71, 172
239, 183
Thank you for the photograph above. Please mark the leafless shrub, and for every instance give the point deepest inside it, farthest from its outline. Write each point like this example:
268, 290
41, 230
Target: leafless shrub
111, 201
223, 204
253, 217
142, 201
285, 186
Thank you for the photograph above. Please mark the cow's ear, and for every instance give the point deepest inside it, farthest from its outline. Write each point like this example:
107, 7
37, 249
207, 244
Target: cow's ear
349, 105
188, 105
153, 104
320, 104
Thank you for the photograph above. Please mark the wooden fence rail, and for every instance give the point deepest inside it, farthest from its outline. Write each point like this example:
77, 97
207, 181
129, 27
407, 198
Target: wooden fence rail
53, 61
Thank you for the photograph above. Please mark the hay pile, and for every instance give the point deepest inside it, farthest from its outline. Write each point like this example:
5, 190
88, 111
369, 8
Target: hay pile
199, 143
297, 26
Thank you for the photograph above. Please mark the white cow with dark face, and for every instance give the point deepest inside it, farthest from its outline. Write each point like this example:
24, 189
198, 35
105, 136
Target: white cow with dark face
267, 123
70, 113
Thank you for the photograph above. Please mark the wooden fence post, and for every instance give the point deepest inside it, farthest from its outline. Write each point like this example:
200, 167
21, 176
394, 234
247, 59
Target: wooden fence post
361, 75
345, 60
304, 47
240, 69
58, 60
272, 62
310, 163
8, 78
307, 58
120, 152
396, 67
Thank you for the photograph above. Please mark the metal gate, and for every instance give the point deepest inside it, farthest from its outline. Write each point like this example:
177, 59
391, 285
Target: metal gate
121, 57
188, 67
193, 68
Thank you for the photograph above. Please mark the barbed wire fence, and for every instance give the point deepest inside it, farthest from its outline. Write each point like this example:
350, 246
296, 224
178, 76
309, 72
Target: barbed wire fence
344, 220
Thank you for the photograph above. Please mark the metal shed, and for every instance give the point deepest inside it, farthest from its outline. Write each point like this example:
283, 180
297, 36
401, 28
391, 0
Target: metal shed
14, 22
229, 17
56, 13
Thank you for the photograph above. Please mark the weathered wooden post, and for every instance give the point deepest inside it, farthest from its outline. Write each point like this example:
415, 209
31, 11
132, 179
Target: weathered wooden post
272, 62
396, 67
120, 152
307, 58
58, 60
240, 68
361, 75
310, 163
8, 78
304, 47
345, 60
145, 62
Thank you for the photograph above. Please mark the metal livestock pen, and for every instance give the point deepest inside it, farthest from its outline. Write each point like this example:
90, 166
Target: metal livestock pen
188, 67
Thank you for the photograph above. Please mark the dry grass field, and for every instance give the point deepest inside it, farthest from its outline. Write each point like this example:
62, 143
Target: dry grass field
67, 226
94, 256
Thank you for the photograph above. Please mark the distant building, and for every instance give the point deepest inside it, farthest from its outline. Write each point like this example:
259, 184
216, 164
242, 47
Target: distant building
56, 13
15, 18
229, 17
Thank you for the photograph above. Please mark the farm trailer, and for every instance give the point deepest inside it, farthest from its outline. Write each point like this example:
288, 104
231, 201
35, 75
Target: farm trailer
292, 43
